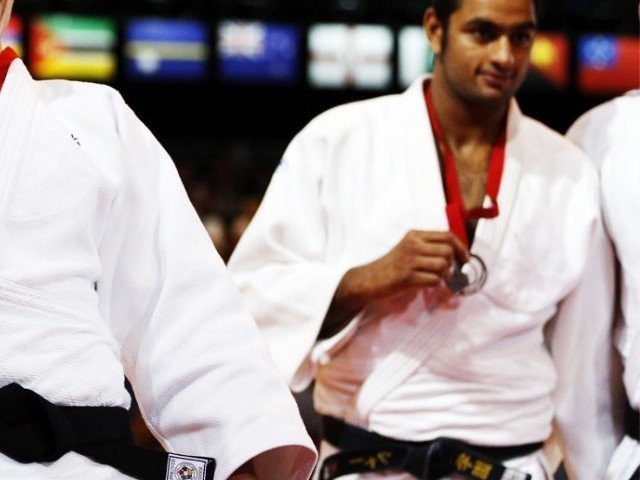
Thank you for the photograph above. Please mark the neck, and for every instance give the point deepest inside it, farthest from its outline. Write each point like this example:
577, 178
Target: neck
465, 122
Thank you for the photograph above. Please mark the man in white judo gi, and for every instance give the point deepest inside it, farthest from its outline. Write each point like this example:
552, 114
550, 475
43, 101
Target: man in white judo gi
610, 134
412, 251
107, 271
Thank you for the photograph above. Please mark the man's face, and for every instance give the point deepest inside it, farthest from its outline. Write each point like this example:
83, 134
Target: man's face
484, 54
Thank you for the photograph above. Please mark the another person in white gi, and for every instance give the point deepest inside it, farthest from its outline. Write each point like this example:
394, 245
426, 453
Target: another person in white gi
350, 263
610, 134
106, 271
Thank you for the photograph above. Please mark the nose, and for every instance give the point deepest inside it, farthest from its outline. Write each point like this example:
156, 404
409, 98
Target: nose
503, 52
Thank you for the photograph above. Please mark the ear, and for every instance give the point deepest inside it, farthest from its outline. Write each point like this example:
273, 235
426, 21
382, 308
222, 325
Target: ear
433, 29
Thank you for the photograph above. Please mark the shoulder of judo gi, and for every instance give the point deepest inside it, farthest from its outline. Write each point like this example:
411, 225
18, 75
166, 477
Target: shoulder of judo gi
555, 153
94, 106
610, 125
352, 115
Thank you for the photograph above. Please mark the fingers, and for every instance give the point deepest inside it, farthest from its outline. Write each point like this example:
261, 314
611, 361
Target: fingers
461, 250
420, 259
426, 258
439, 243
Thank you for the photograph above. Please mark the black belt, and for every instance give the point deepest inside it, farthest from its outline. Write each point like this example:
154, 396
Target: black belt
33, 429
631, 422
365, 451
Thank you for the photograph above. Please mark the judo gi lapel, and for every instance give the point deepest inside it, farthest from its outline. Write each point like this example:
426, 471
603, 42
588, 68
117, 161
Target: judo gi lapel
415, 348
421, 158
490, 232
18, 106
425, 180
29, 132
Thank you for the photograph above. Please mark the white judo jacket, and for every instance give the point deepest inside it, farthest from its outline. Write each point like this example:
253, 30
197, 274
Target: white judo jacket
610, 134
477, 368
106, 271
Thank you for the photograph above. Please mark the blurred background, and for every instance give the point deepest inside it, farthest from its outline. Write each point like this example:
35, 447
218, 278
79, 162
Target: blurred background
225, 84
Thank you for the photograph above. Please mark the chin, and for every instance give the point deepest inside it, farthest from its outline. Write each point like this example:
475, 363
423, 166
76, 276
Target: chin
493, 98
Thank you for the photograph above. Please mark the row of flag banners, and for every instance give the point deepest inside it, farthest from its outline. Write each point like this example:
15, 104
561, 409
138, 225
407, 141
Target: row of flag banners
334, 55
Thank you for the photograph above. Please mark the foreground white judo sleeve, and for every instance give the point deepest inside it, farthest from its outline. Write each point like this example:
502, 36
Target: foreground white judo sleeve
201, 372
107, 271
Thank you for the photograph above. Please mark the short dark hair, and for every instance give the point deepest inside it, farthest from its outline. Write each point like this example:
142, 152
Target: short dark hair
444, 9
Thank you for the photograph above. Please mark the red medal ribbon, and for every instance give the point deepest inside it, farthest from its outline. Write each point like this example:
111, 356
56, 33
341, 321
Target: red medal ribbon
7, 56
457, 214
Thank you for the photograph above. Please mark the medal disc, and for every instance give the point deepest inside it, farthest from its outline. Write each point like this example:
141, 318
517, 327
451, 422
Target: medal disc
469, 277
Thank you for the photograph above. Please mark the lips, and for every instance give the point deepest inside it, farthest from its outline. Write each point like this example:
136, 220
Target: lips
496, 80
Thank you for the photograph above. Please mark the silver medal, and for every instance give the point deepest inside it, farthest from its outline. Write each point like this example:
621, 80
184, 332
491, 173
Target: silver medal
469, 277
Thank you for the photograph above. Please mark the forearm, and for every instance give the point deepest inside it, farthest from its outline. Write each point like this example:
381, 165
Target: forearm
291, 462
352, 294
245, 472
421, 259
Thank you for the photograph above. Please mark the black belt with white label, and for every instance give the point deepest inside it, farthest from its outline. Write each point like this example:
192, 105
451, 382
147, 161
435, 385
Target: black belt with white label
363, 451
32, 429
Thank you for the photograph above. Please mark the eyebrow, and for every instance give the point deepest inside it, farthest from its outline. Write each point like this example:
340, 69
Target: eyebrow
483, 22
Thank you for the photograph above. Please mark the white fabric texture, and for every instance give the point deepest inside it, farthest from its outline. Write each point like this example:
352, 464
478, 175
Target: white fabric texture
107, 271
610, 134
477, 368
